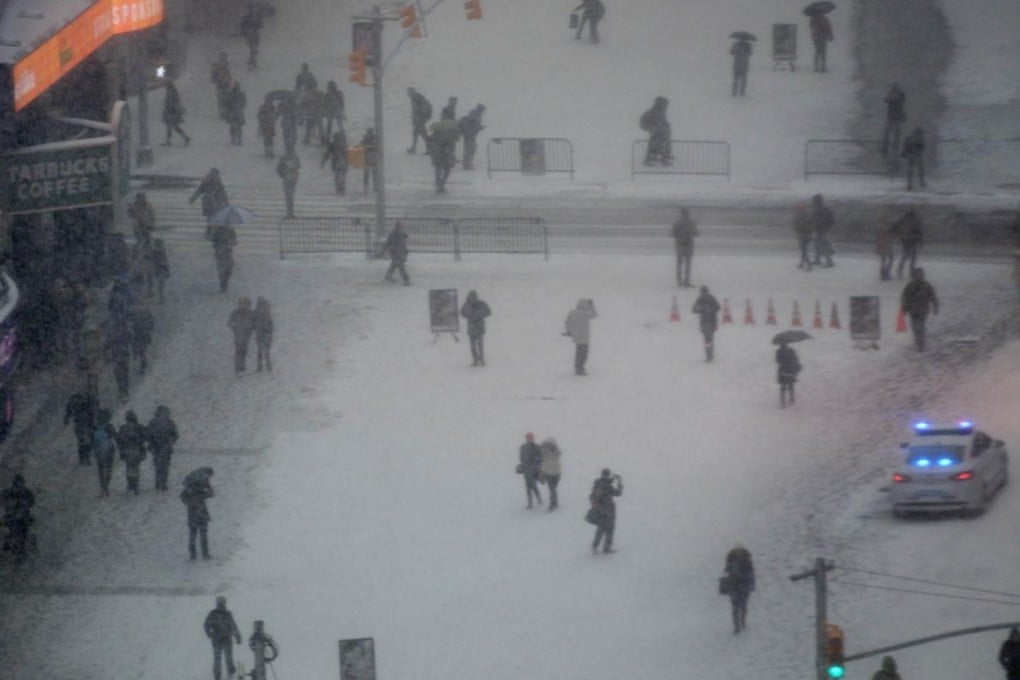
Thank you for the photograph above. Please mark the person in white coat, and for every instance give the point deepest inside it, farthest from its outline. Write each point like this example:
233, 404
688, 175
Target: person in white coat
578, 328
550, 470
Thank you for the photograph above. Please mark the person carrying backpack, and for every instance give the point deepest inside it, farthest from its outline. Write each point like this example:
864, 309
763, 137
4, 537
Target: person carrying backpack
739, 571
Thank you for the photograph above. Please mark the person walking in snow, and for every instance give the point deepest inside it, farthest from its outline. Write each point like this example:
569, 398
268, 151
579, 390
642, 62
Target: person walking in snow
469, 127
684, 231
336, 154
895, 116
1009, 655
333, 109
788, 364
289, 170
603, 509
803, 229
592, 12
262, 326
104, 448
450, 110
221, 629
224, 238
739, 571
173, 113
196, 491
910, 231
707, 309
396, 245
913, 151
917, 300
822, 220
81, 408
821, 35
237, 102
161, 434
369, 144
530, 456
305, 80
288, 123
741, 51
312, 106
578, 329
160, 266
222, 80
660, 145
888, 670
884, 250
142, 326
251, 31
421, 114
242, 326
551, 470
144, 215
131, 442
117, 346
442, 145
214, 195
267, 116
476, 310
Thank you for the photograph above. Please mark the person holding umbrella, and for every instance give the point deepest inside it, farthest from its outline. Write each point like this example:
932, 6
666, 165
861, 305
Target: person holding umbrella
788, 363
821, 31
214, 196
197, 489
741, 51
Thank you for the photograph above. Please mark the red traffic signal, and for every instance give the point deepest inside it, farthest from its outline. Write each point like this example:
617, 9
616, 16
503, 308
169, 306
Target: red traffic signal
356, 64
473, 9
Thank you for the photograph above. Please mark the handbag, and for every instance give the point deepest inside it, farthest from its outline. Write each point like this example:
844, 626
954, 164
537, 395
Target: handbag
725, 584
592, 516
574, 20
519, 469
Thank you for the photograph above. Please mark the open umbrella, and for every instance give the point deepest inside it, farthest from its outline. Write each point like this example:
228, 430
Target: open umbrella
743, 35
820, 7
232, 214
790, 336
198, 476
280, 95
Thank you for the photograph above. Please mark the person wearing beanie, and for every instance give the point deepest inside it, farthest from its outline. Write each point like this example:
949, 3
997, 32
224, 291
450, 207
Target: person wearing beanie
888, 670
531, 466
222, 631
603, 509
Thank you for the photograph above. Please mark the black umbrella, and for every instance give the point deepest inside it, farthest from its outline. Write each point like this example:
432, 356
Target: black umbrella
743, 35
790, 336
198, 476
280, 95
820, 7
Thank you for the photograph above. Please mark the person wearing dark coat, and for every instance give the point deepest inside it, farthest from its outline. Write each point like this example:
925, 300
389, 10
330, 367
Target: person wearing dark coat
236, 104
578, 329
160, 266
443, 148
822, 220
18, 501
421, 114
142, 326
910, 231
396, 246
224, 238
530, 456
333, 110
917, 300
1009, 655
144, 215
161, 434
592, 12
104, 449
450, 110
221, 629
888, 670
118, 255
660, 145
707, 309
895, 116
607, 487
241, 324
336, 154
475, 310
81, 408
173, 113
288, 123
289, 169
194, 496
262, 327
267, 116
131, 439
469, 126
884, 250
118, 349
684, 230
223, 80
305, 80
214, 195
368, 143
821, 36
803, 229
741, 51
739, 570
311, 105
913, 151
251, 31
788, 365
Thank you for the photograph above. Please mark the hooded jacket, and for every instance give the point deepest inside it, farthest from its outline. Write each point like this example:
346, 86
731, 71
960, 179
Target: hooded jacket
578, 323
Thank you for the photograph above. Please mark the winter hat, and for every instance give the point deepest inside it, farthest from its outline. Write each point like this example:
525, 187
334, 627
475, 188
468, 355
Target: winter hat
606, 472
221, 601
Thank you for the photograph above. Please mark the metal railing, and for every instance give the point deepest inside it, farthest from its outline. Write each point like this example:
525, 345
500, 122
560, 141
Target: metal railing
690, 157
530, 155
848, 157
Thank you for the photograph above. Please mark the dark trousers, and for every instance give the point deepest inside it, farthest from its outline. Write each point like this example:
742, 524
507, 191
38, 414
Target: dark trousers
83, 433
531, 488
593, 28
161, 466
105, 470
262, 354
175, 127
396, 265
369, 170
132, 472
738, 606
201, 531
122, 374
235, 134
141, 353
340, 180
805, 259
553, 482
267, 144
477, 349
821, 45
241, 354
580, 358
224, 648
885, 262
418, 130
915, 165
909, 255
604, 531
684, 258
917, 328
288, 196
253, 53
470, 146
224, 267
823, 250
442, 173
708, 333
786, 394
739, 81
330, 118
315, 124
891, 133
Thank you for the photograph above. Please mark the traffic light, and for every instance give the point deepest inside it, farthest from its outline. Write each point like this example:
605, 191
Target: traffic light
356, 63
409, 18
473, 9
834, 651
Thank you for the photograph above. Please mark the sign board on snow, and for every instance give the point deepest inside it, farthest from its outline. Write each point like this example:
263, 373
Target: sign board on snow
357, 659
865, 320
444, 314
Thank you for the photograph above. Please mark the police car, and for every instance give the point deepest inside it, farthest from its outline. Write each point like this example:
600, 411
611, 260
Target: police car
948, 467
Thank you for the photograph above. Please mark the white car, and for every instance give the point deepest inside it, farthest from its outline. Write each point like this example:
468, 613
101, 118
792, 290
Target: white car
948, 467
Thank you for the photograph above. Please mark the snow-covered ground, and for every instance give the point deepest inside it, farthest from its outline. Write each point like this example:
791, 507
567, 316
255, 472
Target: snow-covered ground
366, 487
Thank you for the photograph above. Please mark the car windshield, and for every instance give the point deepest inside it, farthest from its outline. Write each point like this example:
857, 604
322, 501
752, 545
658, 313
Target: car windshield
934, 456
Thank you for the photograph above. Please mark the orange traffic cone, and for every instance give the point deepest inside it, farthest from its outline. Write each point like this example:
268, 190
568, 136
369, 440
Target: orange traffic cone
817, 322
770, 319
726, 316
748, 313
796, 315
834, 317
674, 312
901, 322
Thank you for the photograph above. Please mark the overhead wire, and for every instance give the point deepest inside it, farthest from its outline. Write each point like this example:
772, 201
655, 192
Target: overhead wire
931, 582
929, 593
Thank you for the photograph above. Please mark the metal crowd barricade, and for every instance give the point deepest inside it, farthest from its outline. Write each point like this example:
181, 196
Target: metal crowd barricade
690, 157
502, 235
848, 157
530, 155
326, 235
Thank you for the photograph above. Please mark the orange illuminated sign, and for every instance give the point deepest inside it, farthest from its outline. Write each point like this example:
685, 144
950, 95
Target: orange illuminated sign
65, 49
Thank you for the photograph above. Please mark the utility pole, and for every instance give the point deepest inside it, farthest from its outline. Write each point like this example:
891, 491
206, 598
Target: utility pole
258, 637
818, 573
139, 73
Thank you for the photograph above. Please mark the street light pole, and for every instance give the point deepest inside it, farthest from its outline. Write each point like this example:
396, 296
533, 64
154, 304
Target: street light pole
380, 163
143, 155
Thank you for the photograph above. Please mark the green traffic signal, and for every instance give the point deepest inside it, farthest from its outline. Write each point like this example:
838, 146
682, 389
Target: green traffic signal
836, 672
